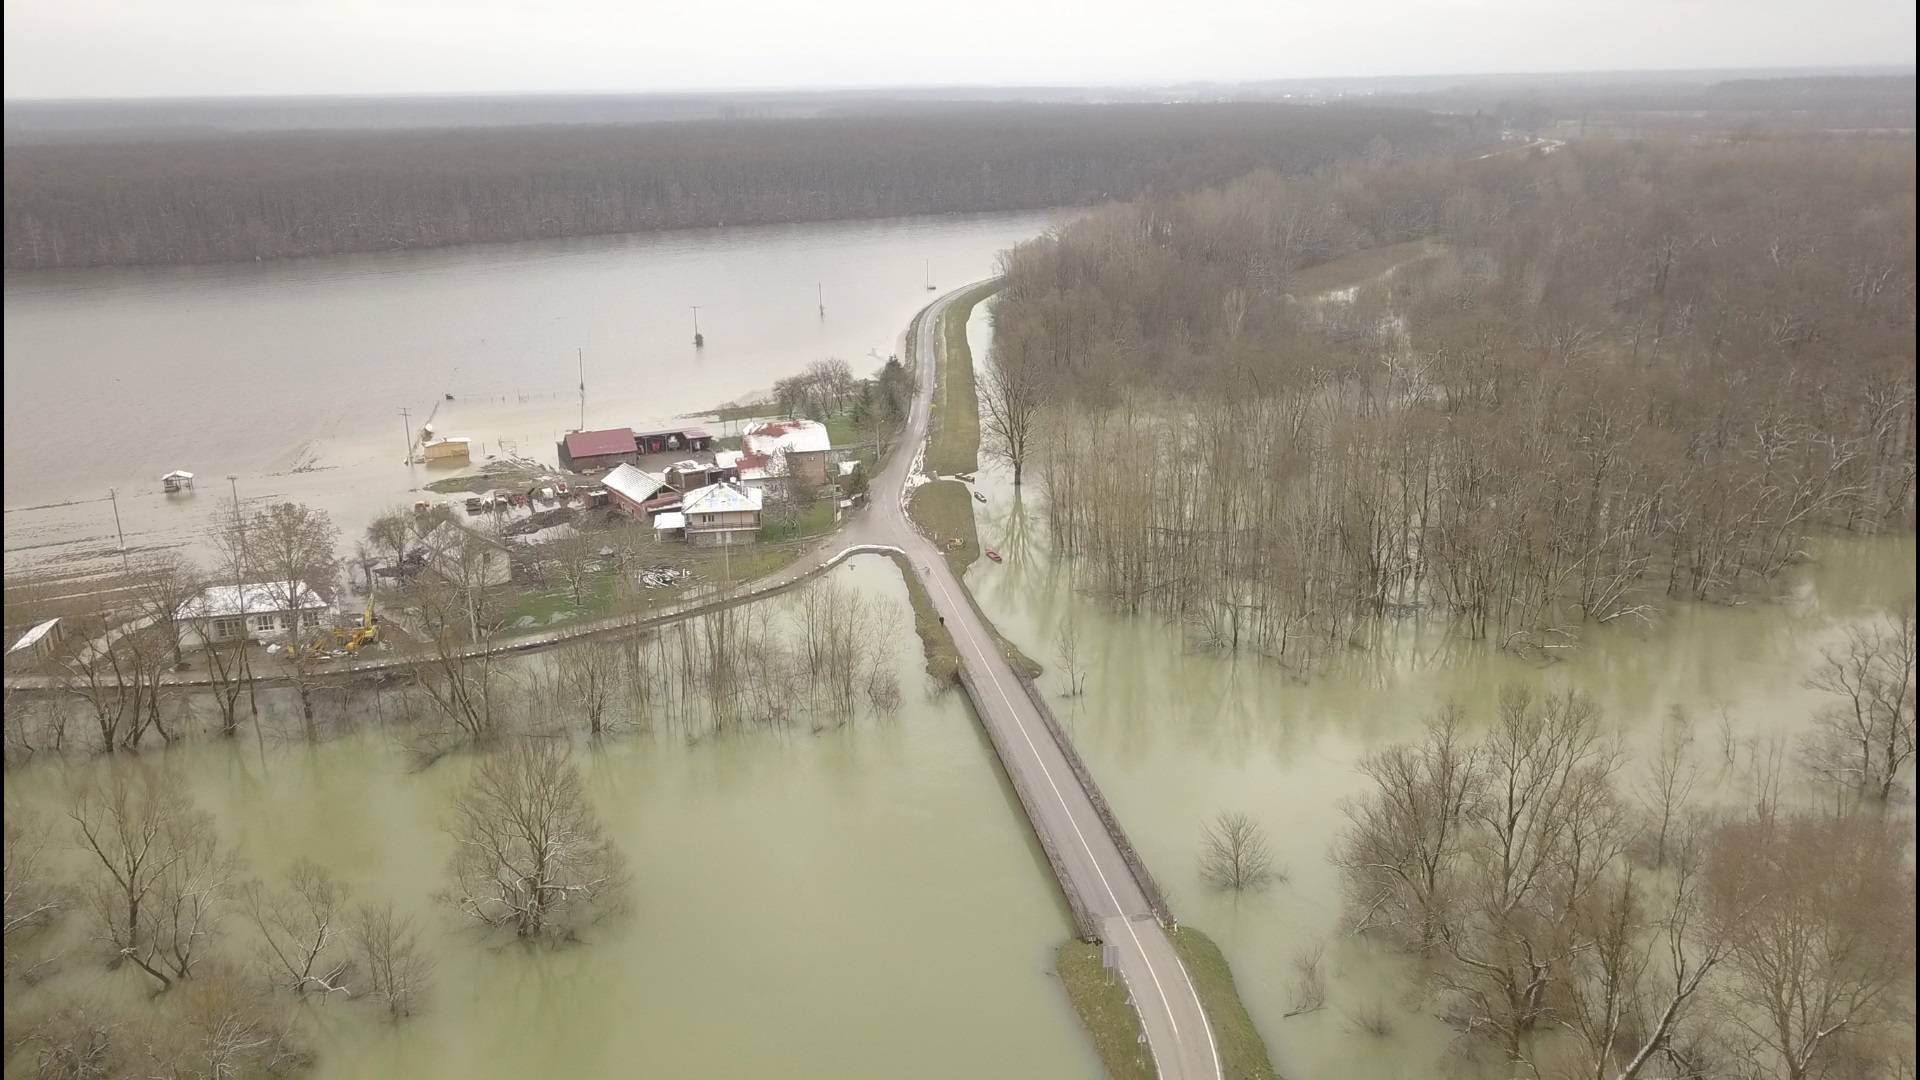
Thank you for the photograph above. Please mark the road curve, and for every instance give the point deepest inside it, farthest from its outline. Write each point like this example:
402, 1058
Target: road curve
1163, 994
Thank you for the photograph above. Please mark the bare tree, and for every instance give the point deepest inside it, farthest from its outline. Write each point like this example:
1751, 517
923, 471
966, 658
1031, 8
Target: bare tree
1013, 392
397, 965
1647, 957
166, 877
291, 550
454, 670
1818, 916
1544, 829
1067, 651
218, 1027
1234, 853
1864, 739
301, 927
34, 898
162, 585
529, 850
1669, 788
1401, 853
1309, 982
591, 673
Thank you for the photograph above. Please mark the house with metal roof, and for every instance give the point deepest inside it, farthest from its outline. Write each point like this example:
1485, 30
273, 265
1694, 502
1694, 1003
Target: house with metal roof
723, 513
593, 451
638, 492
262, 610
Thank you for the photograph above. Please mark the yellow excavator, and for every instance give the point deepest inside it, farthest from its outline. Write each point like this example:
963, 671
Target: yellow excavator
349, 639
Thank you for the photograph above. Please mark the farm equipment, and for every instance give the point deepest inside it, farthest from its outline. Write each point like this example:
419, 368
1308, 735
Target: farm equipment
348, 639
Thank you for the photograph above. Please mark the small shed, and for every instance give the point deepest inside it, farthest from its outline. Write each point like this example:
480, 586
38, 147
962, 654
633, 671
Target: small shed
454, 450
671, 523
177, 480
40, 641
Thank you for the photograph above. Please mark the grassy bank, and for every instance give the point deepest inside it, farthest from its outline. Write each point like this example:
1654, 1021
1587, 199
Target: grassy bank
1101, 1000
944, 508
953, 435
943, 657
1243, 1054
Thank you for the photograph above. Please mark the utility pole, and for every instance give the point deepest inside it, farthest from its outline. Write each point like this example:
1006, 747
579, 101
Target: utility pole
114, 497
820, 294
406, 422
581, 356
699, 339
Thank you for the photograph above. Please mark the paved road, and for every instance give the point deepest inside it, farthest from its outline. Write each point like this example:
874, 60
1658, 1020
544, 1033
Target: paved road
1177, 1030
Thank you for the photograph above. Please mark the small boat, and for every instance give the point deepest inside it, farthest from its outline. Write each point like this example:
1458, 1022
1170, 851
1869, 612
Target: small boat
992, 554
978, 497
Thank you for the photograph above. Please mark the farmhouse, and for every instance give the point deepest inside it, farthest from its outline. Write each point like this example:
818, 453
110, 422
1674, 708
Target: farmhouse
638, 492
723, 513
795, 449
260, 611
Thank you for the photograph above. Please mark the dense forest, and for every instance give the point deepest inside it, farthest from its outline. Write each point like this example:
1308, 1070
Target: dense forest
310, 193
1585, 382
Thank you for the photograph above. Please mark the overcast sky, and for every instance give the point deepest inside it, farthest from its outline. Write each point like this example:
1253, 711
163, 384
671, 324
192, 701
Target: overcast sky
137, 48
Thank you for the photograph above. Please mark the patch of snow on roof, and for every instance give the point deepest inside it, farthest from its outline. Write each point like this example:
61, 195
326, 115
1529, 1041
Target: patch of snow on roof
636, 484
259, 598
32, 637
721, 498
782, 436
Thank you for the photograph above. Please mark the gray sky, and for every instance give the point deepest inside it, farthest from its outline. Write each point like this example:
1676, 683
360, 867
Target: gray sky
137, 48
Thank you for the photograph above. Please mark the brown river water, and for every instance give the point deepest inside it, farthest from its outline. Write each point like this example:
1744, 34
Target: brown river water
292, 375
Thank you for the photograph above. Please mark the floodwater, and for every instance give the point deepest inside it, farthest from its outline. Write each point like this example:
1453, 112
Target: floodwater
863, 902
292, 375
1176, 736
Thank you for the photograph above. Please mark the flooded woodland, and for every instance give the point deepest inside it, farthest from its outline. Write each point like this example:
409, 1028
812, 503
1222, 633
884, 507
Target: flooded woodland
851, 889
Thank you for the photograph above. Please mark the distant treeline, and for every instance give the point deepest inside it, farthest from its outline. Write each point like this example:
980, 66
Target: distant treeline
314, 193
1729, 106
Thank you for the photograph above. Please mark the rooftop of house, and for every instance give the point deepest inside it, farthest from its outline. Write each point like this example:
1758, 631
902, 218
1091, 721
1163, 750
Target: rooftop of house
783, 436
32, 637
259, 598
600, 443
721, 498
633, 483
695, 432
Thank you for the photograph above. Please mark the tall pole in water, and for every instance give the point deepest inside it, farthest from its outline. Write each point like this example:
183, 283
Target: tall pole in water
406, 423
698, 338
581, 355
820, 293
114, 497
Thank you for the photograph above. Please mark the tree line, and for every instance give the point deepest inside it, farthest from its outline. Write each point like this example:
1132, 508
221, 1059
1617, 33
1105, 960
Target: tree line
274, 195
1584, 384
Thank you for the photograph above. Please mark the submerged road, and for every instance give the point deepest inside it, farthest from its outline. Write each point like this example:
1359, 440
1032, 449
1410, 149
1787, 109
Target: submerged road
1163, 994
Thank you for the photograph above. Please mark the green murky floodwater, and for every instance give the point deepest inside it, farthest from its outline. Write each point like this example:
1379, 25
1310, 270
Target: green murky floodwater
863, 902
1175, 736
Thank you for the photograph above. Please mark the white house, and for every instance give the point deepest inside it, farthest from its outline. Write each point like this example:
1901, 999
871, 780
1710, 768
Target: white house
261, 611
723, 513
